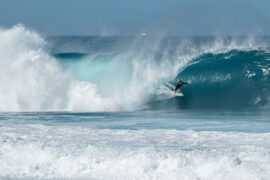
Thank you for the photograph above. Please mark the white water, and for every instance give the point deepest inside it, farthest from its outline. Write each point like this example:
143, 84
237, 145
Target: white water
29, 78
32, 80
56, 147
77, 151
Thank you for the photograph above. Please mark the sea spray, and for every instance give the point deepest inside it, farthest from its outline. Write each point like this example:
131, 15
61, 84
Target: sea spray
112, 79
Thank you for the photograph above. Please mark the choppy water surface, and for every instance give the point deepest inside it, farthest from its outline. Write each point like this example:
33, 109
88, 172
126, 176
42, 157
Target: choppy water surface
97, 107
140, 145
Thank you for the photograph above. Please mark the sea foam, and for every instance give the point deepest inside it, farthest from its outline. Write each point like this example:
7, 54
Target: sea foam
31, 79
74, 152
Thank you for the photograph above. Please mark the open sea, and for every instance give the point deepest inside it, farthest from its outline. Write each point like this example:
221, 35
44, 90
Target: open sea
96, 107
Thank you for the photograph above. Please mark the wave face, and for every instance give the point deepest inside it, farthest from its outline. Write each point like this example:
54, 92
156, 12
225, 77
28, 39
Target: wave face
230, 80
128, 73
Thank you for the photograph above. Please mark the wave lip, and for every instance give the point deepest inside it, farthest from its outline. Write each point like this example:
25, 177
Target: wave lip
131, 79
231, 80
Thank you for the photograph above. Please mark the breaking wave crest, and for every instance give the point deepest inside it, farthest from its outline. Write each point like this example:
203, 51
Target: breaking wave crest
131, 76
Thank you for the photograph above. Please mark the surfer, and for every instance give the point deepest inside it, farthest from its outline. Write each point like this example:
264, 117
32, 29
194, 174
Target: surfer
180, 86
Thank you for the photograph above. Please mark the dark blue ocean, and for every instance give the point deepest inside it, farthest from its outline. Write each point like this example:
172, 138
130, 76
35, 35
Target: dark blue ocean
97, 107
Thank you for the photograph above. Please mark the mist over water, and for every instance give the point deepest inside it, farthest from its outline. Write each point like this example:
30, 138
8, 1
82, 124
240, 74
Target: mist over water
118, 73
133, 126
84, 90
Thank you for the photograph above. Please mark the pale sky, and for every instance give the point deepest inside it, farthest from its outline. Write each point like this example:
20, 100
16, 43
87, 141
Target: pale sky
129, 17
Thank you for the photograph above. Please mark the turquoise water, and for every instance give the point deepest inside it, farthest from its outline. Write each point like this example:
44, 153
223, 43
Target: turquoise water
140, 145
97, 107
224, 121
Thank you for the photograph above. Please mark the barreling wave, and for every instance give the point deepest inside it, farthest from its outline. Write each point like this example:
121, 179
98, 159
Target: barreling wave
129, 74
232, 80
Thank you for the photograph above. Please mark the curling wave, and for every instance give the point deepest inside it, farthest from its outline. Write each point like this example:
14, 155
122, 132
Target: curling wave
232, 80
39, 74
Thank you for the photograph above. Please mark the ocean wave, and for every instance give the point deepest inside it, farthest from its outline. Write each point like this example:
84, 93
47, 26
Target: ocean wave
232, 80
131, 76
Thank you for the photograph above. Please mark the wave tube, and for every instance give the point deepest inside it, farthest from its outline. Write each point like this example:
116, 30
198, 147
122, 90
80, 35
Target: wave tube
130, 77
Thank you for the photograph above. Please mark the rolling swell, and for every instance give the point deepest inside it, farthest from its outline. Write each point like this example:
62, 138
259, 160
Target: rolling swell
232, 80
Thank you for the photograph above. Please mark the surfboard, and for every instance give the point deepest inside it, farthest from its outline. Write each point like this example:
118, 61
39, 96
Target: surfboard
178, 93
172, 87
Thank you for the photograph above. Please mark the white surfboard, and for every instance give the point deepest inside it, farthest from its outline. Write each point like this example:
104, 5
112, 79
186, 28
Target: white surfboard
177, 93
172, 87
